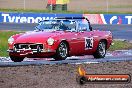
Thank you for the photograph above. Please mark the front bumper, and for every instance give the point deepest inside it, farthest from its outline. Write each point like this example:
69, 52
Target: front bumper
31, 53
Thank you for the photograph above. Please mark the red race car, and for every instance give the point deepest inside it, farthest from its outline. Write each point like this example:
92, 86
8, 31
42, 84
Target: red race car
60, 38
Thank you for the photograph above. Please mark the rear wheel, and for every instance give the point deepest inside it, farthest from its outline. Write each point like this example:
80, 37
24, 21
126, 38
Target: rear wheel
62, 52
16, 59
101, 50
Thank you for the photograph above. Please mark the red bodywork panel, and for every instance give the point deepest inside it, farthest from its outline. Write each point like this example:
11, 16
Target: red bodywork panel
80, 43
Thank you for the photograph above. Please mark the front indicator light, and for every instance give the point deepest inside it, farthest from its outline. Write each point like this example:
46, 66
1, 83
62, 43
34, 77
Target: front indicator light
10, 40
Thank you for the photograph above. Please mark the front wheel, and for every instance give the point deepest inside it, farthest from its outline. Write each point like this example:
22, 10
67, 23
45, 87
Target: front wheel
101, 50
16, 59
61, 52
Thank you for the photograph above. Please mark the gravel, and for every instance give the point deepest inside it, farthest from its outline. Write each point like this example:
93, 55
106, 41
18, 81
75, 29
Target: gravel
60, 76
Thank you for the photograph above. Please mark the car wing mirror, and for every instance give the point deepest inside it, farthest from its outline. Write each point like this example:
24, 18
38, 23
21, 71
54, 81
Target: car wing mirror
84, 29
73, 29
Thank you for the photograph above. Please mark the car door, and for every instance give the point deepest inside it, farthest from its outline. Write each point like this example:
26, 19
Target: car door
76, 43
81, 36
87, 38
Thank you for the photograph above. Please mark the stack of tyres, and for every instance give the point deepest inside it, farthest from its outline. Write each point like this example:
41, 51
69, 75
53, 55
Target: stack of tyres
59, 5
64, 7
51, 6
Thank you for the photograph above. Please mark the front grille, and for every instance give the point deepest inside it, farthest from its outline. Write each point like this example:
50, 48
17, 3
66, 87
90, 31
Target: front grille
28, 46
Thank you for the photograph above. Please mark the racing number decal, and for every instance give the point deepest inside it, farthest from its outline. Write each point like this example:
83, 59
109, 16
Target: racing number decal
88, 43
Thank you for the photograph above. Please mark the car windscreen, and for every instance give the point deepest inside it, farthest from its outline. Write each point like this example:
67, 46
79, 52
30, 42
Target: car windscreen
83, 26
56, 25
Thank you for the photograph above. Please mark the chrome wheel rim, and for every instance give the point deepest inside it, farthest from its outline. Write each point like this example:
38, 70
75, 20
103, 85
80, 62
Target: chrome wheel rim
63, 50
102, 48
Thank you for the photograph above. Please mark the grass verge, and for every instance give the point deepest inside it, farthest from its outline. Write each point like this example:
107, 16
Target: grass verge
68, 12
120, 45
4, 35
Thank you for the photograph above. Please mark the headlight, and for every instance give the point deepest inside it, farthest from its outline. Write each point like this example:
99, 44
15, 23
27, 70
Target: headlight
50, 41
10, 40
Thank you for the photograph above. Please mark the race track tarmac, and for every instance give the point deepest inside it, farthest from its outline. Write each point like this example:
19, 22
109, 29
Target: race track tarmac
115, 56
118, 31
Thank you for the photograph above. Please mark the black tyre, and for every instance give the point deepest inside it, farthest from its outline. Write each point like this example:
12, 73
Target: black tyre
101, 50
16, 59
61, 52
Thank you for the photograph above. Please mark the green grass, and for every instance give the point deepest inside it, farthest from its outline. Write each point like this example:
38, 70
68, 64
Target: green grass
121, 6
4, 35
104, 12
68, 12
119, 45
36, 11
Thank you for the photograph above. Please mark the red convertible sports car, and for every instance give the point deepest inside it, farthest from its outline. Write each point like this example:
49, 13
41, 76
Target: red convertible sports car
60, 38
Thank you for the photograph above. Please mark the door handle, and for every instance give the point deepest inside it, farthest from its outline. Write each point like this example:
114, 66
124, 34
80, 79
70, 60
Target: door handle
91, 34
75, 38
76, 34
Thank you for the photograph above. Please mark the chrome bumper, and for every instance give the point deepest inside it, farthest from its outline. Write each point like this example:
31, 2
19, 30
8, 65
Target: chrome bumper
29, 51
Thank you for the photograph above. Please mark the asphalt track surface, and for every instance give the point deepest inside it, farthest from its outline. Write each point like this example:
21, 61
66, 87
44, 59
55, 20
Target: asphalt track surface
118, 31
114, 56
